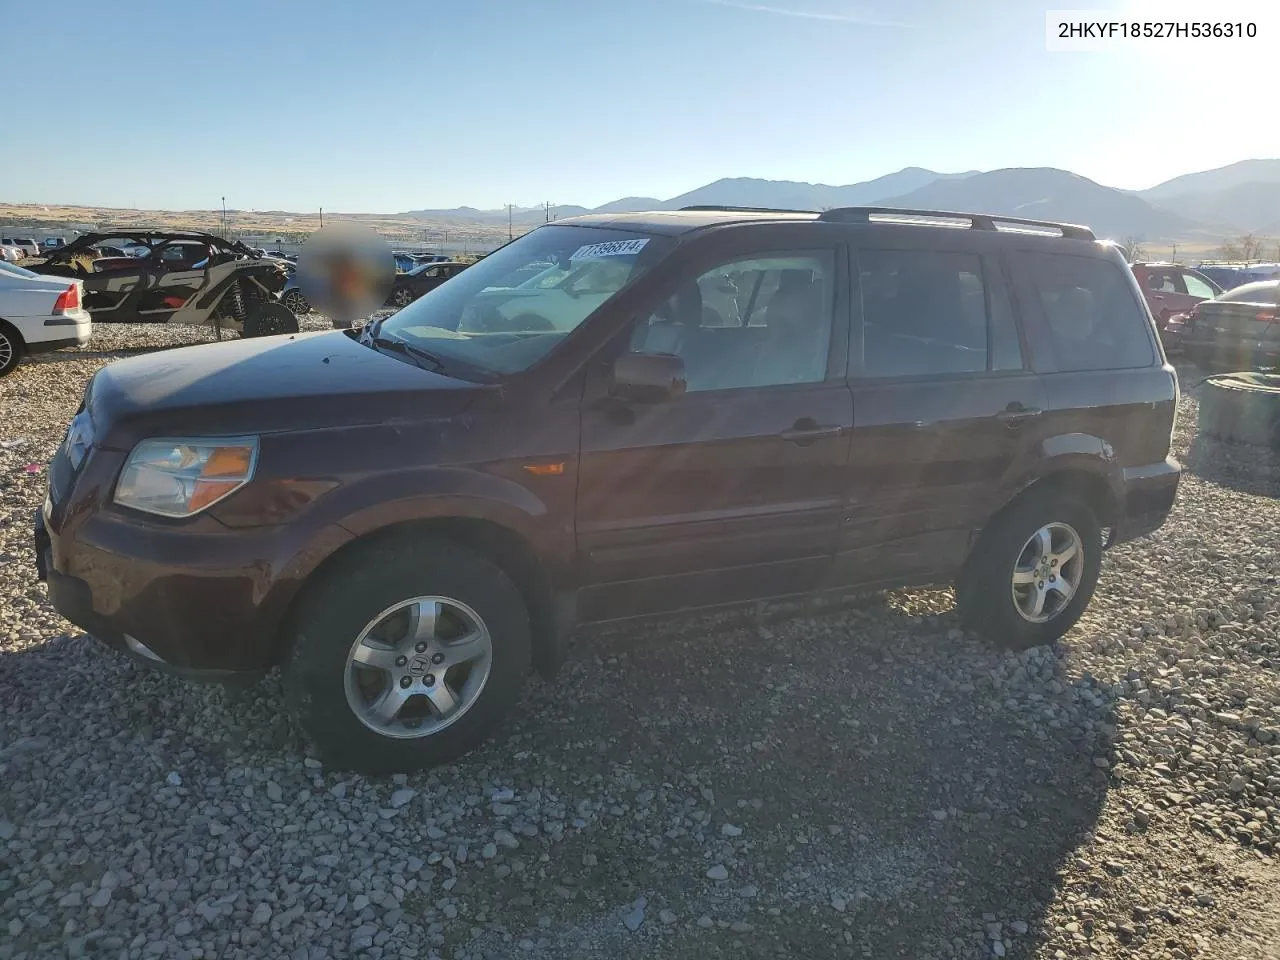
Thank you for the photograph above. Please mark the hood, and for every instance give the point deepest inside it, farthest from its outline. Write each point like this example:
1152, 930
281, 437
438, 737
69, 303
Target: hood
309, 381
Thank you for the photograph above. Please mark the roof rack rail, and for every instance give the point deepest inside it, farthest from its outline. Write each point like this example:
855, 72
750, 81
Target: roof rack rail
977, 221
712, 207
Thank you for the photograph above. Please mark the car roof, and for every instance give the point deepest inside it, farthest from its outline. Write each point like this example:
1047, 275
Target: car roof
1249, 289
689, 219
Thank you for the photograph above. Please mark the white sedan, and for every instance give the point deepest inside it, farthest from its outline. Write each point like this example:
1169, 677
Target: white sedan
38, 314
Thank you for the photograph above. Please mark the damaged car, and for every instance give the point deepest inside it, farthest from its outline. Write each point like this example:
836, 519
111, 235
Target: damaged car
178, 276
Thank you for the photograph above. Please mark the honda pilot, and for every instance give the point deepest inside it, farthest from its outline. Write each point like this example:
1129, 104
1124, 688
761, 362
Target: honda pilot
697, 408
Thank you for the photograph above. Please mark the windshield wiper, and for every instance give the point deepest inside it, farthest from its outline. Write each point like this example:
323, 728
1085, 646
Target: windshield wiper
396, 345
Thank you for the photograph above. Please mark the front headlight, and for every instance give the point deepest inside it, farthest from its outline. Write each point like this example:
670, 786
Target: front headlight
181, 477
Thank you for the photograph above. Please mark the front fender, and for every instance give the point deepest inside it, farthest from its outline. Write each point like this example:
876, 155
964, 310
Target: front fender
544, 519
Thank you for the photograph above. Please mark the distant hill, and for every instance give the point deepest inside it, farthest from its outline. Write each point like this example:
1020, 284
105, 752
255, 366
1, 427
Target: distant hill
524, 216
1046, 193
631, 205
797, 195
1245, 207
1210, 205
1222, 178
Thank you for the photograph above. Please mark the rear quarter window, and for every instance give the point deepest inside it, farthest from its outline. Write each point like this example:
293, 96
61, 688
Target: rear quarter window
1092, 318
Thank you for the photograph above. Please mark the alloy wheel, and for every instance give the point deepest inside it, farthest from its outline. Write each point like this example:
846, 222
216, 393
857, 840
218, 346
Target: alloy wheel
1048, 572
418, 666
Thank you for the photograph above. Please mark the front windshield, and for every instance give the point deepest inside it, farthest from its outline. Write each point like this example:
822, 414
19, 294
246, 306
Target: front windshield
505, 312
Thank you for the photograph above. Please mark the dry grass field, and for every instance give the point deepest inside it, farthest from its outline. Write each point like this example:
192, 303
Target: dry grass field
42, 219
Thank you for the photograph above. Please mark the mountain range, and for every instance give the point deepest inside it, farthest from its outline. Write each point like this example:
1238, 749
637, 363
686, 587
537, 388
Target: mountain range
1240, 198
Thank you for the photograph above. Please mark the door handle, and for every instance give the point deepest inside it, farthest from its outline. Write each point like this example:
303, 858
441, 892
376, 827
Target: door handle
807, 430
1015, 413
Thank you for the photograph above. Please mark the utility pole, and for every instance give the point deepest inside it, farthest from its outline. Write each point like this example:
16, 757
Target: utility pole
224, 218
547, 216
322, 218
508, 221
1175, 252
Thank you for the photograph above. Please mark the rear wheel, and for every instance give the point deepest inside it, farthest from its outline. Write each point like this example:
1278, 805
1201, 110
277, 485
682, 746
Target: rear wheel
269, 319
401, 297
407, 657
11, 349
1033, 571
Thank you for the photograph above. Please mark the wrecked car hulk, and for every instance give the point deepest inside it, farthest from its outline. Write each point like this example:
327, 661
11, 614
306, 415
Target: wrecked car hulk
177, 276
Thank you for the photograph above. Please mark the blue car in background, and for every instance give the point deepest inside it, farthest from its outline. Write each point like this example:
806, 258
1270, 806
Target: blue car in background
1232, 275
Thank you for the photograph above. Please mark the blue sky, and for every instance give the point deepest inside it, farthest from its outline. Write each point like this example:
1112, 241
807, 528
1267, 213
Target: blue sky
374, 106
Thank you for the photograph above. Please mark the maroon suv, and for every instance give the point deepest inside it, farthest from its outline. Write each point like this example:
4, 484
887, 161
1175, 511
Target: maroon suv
687, 409
1172, 291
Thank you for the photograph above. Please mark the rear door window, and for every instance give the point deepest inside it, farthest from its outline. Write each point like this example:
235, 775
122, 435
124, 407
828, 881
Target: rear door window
934, 313
1093, 321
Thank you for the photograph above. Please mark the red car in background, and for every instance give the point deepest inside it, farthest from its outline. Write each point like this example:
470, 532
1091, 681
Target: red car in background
1171, 291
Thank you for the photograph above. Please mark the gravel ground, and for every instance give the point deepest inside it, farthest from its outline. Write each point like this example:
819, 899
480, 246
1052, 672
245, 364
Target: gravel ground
851, 778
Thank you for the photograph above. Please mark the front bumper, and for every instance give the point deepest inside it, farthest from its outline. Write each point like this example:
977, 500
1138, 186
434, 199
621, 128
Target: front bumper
73, 599
1148, 494
198, 599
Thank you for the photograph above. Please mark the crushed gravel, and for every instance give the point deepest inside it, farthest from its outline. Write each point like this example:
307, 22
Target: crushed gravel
855, 777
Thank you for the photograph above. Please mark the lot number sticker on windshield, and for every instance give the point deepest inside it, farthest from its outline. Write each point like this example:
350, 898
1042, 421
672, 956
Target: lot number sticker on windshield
615, 248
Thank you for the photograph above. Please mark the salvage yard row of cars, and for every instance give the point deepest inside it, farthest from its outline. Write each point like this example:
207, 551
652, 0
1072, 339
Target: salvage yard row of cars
1238, 327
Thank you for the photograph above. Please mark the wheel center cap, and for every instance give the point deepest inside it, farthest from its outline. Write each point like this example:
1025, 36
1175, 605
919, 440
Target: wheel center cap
419, 666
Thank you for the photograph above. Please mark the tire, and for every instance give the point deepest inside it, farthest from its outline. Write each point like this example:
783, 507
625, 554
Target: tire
986, 594
324, 689
1241, 408
269, 319
11, 349
296, 302
401, 297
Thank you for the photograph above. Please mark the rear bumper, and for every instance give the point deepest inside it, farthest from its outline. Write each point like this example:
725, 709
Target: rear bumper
1148, 494
48, 346
43, 334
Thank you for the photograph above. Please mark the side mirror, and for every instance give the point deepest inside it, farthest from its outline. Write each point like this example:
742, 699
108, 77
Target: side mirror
648, 377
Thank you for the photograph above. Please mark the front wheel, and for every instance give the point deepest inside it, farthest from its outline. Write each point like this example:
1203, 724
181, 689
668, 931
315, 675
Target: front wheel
407, 657
1033, 571
401, 297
